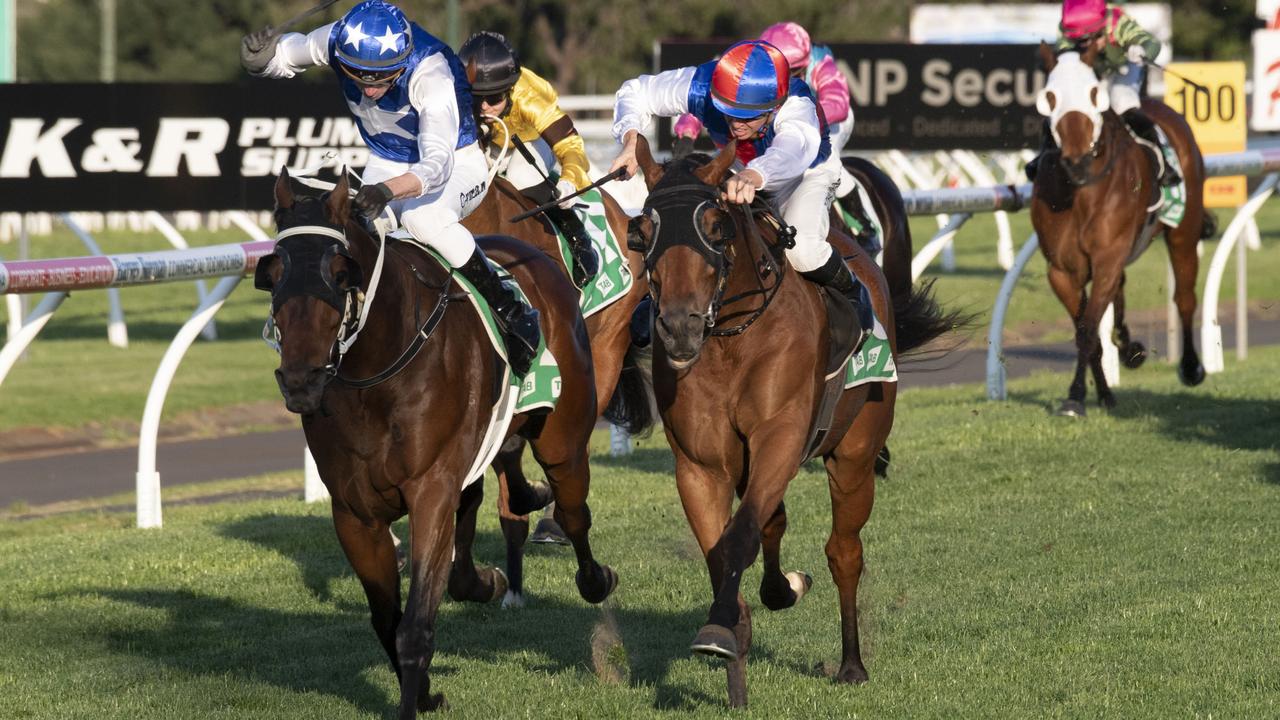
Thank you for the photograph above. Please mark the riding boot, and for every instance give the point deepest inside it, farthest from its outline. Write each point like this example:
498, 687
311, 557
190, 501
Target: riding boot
1047, 144
585, 262
517, 321
837, 276
861, 215
642, 322
1144, 128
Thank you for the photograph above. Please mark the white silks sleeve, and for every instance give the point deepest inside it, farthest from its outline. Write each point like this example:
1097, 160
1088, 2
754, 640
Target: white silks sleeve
431, 93
296, 52
640, 99
797, 139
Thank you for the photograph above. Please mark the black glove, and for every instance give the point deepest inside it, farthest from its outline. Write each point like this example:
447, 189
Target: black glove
373, 199
257, 49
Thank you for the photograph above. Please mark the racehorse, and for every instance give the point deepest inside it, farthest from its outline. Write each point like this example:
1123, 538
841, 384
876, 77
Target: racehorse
1090, 210
393, 408
738, 393
887, 205
622, 393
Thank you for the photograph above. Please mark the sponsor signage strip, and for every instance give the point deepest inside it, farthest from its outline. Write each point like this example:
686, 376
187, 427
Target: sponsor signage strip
103, 271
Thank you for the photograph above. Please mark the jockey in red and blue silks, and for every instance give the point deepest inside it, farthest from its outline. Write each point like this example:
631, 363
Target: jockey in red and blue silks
783, 149
412, 102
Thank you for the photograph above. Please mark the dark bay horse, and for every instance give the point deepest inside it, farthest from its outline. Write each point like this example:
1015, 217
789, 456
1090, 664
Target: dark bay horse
396, 410
621, 391
1090, 211
739, 391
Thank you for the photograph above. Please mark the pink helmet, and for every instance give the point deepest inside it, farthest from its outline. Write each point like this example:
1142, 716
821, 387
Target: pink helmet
792, 40
1082, 18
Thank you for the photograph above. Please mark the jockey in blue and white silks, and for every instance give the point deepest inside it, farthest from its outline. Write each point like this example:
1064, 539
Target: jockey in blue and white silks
412, 102
782, 149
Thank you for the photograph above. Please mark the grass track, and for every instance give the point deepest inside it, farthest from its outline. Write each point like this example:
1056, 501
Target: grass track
1019, 566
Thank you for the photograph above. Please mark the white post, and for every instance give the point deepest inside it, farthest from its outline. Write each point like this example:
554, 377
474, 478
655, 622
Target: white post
940, 241
313, 489
28, 329
245, 223
1110, 355
982, 175
995, 336
1253, 238
1210, 330
148, 480
1242, 296
166, 228
619, 441
1172, 325
117, 332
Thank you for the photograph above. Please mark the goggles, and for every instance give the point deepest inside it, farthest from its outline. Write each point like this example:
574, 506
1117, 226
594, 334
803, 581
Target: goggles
372, 78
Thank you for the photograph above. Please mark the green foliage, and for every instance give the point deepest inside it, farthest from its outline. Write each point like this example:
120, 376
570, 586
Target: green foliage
1018, 565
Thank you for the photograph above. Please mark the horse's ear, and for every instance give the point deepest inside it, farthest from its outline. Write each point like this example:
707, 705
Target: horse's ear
284, 192
339, 200
713, 172
651, 169
1047, 58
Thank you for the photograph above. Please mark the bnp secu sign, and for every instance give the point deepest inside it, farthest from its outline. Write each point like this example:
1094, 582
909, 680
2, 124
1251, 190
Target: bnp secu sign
1213, 104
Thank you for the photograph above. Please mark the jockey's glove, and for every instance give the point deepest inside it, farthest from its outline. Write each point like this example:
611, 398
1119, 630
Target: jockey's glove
257, 49
1135, 54
564, 188
373, 199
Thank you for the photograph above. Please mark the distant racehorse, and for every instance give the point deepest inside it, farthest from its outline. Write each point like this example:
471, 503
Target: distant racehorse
397, 421
740, 353
1090, 210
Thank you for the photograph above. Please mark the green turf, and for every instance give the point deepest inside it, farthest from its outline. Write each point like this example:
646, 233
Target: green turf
1019, 565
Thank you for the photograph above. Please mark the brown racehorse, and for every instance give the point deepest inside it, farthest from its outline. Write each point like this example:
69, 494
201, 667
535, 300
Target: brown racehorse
1090, 211
396, 422
737, 402
621, 392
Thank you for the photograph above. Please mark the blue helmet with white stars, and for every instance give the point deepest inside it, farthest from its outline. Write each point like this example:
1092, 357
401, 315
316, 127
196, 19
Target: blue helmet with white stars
374, 40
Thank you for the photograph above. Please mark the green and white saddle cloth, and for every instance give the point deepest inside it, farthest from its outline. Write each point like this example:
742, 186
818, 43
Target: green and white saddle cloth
1173, 200
873, 363
614, 279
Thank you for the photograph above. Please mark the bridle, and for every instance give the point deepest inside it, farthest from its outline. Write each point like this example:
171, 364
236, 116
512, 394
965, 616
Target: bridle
1095, 149
697, 199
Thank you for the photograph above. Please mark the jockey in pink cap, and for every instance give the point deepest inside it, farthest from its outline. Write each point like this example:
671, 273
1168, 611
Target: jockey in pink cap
1124, 48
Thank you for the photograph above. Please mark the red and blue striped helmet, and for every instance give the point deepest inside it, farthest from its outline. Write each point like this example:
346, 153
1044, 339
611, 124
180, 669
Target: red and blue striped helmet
750, 79
374, 36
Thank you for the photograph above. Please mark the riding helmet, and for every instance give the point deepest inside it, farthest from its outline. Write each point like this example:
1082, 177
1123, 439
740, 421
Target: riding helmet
491, 64
374, 38
750, 79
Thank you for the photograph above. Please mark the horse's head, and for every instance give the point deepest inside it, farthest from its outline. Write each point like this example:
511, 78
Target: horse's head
315, 289
1073, 100
684, 233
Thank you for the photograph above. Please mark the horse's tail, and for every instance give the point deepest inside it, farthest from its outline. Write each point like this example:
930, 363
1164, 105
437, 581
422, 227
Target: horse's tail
918, 319
631, 407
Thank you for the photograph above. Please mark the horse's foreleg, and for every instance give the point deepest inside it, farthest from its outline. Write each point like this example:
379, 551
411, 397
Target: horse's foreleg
1070, 292
1182, 242
466, 581
372, 555
1105, 288
431, 517
1132, 352
779, 590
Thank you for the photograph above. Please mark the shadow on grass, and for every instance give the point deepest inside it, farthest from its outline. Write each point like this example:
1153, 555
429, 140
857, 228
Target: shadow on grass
95, 329
650, 460
550, 636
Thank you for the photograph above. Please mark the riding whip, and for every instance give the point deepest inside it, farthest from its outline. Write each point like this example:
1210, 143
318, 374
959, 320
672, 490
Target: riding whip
618, 174
1180, 76
303, 15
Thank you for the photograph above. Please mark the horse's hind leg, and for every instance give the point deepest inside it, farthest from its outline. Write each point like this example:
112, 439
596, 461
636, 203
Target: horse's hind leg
1070, 292
779, 590
466, 581
564, 460
1182, 242
372, 555
431, 519
1132, 352
515, 532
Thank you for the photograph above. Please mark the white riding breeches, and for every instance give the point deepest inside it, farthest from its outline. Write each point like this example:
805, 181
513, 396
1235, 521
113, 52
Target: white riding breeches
435, 218
1125, 88
805, 204
840, 134
518, 171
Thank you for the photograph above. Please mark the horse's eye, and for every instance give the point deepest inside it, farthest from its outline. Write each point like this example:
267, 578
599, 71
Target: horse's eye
341, 278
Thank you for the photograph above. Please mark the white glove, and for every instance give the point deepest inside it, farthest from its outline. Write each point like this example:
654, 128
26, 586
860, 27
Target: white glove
566, 188
1135, 54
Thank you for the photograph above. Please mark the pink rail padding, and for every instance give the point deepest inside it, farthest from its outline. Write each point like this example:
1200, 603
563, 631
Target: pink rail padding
103, 271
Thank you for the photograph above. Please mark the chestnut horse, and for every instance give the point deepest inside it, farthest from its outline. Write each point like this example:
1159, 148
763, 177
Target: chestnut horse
1090, 210
738, 393
622, 394
395, 408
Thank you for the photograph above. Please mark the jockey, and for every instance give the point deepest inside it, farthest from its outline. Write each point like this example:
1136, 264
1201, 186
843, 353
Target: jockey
748, 95
816, 66
412, 103
1123, 47
529, 108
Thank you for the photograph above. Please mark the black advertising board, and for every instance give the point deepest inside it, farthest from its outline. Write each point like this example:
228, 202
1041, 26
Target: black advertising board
149, 146
922, 97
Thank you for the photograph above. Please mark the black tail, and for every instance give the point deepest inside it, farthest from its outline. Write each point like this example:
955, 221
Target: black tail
918, 319
631, 407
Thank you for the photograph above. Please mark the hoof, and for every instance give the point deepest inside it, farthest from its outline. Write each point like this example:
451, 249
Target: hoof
534, 499
402, 558
1133, 355
548, 532
513, 601
593, 595
433, 703
716, 641
853, 675
882, 462
1071, 408
500, 586
800, 583
1107, 402
1192, 377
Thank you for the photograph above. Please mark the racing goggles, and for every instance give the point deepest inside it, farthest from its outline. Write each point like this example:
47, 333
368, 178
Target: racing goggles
372, 78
